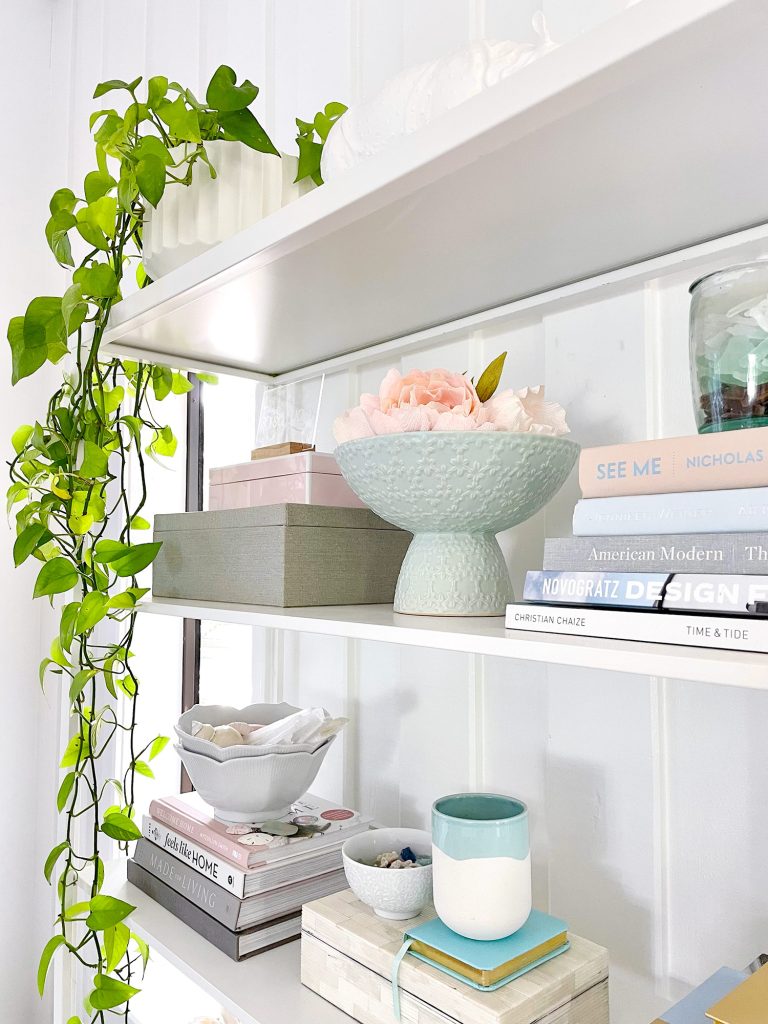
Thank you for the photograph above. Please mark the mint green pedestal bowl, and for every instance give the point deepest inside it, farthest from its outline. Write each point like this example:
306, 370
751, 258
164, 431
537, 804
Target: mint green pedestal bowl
454, 492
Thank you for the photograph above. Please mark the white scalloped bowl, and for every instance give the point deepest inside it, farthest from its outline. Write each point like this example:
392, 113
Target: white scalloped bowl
222, 714
395, 894
253, 789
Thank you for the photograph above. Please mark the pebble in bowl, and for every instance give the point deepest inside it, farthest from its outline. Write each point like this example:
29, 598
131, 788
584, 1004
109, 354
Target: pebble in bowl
253, 789
396, 895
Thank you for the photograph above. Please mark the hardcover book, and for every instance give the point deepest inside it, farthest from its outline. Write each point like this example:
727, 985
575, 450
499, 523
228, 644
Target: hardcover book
225, 908
746, 1004
489, 965
720, 460
727, 511
347, 957
689, 630
693, 1008
243, 882
190, 816
653, 591
734, 553
237, 945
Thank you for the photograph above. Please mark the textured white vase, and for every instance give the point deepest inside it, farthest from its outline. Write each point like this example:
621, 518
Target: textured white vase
190, 219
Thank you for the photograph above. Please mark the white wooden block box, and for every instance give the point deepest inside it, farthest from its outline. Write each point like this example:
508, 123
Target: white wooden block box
347, 954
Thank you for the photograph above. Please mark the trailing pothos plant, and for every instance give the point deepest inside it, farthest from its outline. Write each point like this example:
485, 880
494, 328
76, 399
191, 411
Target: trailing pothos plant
74, 511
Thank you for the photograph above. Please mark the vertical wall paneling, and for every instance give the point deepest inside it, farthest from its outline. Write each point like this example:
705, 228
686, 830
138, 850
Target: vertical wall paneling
476, 723
504, 20
434, 29
659, 712
313, 66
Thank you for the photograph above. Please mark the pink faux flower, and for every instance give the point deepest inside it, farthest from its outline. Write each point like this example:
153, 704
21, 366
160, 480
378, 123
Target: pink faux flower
526, 411
443, 401
439, 390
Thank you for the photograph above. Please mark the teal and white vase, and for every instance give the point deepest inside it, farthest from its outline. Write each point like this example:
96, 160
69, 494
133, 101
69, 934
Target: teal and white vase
481, 864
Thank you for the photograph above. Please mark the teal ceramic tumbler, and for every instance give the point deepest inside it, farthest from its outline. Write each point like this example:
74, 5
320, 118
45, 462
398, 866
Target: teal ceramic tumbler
481, 864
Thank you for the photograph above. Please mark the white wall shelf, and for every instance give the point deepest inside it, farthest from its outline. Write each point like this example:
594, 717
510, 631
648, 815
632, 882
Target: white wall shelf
487, 636
637, 139
262, 990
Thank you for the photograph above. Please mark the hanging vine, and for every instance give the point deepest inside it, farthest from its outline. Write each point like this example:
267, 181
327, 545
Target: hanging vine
74, 510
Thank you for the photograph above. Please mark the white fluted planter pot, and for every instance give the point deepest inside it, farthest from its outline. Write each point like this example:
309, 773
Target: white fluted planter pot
191, 219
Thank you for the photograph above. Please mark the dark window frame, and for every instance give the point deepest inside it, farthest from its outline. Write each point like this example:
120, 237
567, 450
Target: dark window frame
193, 502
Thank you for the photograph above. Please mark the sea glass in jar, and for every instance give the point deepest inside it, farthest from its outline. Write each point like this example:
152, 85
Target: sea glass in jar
729, 348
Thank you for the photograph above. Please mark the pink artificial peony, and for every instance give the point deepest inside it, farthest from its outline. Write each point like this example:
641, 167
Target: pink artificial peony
525, 411
440, 390
443, 401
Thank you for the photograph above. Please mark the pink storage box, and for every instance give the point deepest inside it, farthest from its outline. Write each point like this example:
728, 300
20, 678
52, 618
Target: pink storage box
309, 478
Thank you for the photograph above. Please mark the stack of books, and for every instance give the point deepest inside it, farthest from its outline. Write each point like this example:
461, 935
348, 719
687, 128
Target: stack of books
348, 956
241, 887
727, 997
676, 527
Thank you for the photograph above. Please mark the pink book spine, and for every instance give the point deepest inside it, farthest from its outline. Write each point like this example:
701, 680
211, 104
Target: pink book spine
704, 462
200, 833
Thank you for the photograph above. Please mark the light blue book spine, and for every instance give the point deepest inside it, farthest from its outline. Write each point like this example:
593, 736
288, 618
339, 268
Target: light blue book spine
693, 1009
736, 511
601, 589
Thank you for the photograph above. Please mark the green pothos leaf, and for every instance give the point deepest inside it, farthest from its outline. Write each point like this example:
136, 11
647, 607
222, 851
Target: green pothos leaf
45, 960
120, 827
63, 795
52, 858
116, 941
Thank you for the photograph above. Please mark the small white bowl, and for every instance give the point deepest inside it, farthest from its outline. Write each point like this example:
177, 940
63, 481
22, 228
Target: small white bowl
253, 789
397, 894
221, 714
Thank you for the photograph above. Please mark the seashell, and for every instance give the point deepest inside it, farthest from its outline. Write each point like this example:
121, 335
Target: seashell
256, 839
239, 830
202, 730
384, 860
245, 728
226, 736
279, 828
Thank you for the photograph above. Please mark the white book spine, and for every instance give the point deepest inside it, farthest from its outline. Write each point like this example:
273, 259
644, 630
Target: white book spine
744, 510
207, 863
653, 627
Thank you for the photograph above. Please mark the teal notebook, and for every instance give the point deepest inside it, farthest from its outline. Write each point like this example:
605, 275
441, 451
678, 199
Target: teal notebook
487, 966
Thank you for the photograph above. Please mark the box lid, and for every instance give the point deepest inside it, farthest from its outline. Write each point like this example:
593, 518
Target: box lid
347, 925
281, 465
286, 514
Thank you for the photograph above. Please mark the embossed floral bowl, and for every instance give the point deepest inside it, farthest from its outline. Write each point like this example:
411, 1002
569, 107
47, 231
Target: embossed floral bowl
394, 893
455, 492
253, 789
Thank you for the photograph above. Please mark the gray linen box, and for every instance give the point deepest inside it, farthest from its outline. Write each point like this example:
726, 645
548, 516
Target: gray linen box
286, 556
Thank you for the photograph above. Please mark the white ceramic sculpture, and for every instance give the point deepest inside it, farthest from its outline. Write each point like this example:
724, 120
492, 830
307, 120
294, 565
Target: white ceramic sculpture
418, 95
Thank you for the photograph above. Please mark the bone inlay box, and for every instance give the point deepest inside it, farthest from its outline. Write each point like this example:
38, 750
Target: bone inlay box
347, 954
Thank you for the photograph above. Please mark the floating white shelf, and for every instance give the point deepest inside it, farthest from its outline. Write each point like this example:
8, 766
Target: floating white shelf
637, 139
263, 990
487, 636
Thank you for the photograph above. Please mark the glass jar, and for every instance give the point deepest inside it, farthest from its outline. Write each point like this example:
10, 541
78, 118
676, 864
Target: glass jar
729, 348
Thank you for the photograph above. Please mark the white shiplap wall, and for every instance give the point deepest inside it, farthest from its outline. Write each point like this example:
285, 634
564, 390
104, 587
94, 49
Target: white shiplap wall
645, 794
